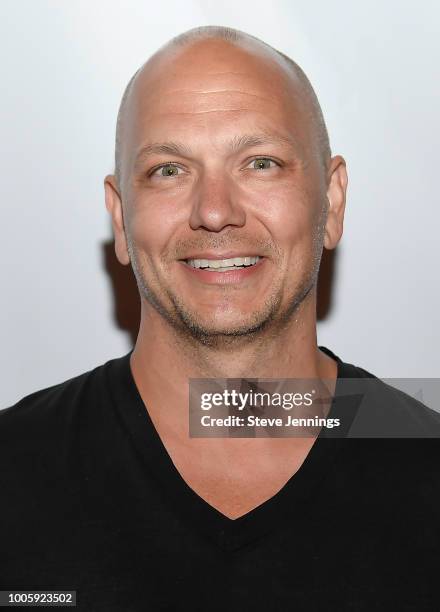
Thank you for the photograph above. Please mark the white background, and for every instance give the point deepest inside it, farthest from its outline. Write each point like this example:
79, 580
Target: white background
374, 66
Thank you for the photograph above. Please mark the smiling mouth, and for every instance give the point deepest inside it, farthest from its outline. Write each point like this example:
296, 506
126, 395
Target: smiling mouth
223, 265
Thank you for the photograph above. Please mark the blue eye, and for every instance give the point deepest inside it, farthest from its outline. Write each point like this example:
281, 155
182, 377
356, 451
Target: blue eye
262, 163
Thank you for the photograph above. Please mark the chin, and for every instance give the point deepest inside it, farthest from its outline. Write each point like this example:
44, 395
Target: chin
239, 329
226, 320
210, 330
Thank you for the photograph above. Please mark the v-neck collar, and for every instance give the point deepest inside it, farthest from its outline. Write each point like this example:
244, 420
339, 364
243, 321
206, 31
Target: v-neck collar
228, 534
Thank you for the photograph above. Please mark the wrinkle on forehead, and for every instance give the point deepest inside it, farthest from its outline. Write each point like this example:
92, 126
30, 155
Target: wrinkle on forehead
193, 104
215, 91
172, 85
199, 80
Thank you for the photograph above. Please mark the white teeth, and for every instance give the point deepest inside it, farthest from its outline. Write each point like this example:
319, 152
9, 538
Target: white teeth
222, 265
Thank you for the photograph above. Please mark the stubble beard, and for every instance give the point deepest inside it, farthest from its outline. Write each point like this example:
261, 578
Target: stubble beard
270, 320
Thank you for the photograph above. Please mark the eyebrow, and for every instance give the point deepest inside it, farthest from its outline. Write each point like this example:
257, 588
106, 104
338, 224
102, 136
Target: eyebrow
234, 144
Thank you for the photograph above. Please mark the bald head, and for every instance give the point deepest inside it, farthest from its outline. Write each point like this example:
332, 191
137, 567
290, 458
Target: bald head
241, 41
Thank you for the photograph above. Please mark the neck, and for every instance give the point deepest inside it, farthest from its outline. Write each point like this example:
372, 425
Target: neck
163, 361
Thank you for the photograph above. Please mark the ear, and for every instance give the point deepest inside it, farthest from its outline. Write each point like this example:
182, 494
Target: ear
113, 204
336, 191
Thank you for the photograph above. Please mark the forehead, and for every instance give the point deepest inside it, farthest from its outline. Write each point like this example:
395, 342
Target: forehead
211, 91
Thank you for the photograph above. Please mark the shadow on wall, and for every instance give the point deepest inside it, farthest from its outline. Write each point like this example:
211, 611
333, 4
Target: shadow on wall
126, 295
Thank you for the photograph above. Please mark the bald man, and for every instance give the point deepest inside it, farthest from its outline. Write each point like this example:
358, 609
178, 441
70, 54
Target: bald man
224, 195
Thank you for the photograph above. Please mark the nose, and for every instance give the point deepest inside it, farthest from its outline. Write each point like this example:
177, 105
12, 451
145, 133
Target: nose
216, 203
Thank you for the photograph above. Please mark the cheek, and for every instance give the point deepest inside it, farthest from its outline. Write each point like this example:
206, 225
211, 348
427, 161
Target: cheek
290, 215
152, 225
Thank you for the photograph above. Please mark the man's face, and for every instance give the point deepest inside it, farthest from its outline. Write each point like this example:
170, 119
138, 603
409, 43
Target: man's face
221, 170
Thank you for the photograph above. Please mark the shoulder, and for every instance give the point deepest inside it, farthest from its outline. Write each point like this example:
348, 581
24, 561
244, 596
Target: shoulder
50, 440
50, 414
382, 409
50, 401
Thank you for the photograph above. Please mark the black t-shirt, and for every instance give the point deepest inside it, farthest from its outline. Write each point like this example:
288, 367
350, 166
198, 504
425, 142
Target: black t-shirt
91, 501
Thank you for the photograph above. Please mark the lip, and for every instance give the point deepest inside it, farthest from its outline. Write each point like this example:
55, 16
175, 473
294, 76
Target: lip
220, 255
231, 277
